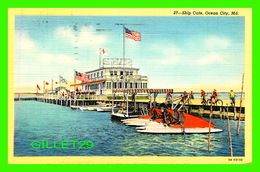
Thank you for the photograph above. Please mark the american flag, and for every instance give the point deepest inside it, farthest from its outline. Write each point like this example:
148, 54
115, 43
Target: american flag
81, 76
132, 34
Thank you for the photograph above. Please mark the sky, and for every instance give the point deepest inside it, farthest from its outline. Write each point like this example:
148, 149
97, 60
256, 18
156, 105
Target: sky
183, 53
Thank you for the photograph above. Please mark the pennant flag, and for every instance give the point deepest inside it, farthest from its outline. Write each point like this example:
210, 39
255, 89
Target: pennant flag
46, 83
132, 34
81, 76
103, 51
38, 87
63, 80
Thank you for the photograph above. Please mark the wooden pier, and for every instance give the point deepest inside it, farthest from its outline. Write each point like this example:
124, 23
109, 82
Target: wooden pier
221, 112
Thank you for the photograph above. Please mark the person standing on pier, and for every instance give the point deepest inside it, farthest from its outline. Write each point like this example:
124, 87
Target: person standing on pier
184, 96
214, 95
203, 96
168, 96
191, 95
232, 95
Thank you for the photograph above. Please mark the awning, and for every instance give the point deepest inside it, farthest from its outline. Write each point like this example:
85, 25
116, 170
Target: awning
87, 83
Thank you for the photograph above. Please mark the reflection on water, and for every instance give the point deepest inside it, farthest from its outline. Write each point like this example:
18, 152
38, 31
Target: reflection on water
42, 121
171, 145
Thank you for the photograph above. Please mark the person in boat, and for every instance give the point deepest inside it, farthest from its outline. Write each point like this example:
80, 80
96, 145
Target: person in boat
191, 95
214, 95
177, 118
232, 95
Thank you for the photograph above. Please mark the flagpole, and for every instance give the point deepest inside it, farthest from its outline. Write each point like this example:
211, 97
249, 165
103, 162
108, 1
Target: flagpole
99, 57
123, 56
74, 79
59, 85
52, 87
59, 80
124, 42
43, 88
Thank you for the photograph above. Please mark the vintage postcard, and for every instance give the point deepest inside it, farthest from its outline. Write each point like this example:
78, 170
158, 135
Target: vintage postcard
130, 86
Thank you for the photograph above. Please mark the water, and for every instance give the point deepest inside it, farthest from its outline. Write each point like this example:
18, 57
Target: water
48, 122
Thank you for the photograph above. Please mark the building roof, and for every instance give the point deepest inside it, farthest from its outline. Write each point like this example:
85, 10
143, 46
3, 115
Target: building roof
87, 83
115, 68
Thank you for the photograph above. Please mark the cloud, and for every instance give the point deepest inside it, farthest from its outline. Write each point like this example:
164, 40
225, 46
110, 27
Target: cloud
167, 55
216, 49
23, 42
56, 58
83, 37
212, 58
214, 42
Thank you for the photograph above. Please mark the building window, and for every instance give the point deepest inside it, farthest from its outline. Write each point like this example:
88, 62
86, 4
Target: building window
131, 85
121, 73
101, 73
120, 85
135, 85
97, 74
113, 73
114, 84
108, 85
94, 87
131, 72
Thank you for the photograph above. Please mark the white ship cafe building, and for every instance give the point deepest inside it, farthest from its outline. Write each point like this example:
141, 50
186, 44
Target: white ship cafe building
113, 75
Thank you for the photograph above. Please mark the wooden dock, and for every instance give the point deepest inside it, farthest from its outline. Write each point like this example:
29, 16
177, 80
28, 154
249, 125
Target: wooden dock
221, 112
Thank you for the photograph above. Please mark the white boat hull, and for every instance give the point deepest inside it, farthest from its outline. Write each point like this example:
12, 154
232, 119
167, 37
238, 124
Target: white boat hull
74, 107
138, 122
168, 130
105, 109
123, 115
120, 115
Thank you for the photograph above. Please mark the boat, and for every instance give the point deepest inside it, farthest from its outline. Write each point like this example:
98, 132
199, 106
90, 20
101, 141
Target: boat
92, 107
75, 107
124, 114
176, 122
83, 108
105, 109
